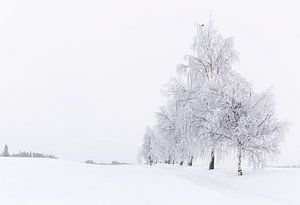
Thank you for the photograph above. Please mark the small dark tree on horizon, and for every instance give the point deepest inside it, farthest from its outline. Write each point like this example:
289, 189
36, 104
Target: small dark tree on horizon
5, 151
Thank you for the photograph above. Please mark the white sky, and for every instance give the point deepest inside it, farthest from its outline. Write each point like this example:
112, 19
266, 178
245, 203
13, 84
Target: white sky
82, 79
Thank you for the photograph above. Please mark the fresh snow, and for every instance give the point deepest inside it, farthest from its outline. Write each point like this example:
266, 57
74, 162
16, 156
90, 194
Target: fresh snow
59, 182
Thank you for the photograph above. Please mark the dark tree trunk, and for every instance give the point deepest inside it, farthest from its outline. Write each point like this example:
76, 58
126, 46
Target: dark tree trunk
169, 160
190, 163
212, 161
240, 172
150, 161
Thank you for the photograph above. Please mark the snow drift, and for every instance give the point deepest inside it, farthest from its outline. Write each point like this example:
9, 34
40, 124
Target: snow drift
46, 181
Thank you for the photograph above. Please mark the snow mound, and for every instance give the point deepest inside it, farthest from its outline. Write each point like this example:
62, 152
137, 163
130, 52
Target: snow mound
48, 181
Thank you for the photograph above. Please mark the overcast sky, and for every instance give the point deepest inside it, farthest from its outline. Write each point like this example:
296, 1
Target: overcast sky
82, 79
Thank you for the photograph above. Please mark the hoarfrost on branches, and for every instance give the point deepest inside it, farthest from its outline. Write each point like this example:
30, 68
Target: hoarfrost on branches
212, 109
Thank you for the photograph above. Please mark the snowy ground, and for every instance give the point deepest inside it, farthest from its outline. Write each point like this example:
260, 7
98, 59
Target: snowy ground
59, 182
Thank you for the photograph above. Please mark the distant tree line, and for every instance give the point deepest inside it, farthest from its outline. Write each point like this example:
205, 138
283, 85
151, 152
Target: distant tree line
112, 163
5, 153
212, 110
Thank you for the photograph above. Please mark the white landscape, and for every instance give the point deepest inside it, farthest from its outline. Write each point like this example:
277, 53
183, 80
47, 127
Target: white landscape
51, 181
161, 102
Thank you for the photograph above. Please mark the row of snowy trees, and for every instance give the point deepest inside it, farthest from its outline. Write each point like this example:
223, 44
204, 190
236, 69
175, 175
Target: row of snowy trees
212, 109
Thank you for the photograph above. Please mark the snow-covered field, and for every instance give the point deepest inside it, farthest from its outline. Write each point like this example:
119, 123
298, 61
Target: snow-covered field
45, 181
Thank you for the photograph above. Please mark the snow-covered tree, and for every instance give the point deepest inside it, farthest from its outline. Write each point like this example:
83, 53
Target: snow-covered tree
212, 58
167, 129
147, 151
247, 123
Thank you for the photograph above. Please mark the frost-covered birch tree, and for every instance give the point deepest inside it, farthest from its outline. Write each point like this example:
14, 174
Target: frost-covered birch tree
247, 121
212, 58
148, 146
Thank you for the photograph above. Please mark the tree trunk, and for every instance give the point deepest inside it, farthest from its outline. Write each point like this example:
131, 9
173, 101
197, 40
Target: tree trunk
212, 161
169, 160
150, 161
190, 163
155, 161
240, 173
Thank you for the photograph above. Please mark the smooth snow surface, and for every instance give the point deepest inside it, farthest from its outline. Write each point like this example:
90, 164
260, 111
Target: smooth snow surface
59, 182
